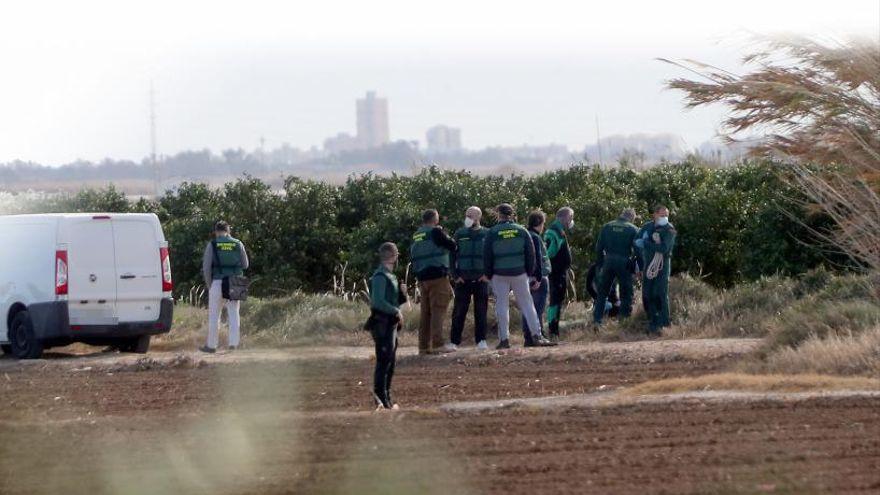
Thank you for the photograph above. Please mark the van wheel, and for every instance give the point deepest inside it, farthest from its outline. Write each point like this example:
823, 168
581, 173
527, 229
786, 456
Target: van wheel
22, 339
137, 345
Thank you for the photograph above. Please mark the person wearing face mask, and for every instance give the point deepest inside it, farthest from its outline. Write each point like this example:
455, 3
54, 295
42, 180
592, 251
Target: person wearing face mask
386, 296
559, 252
656, 241
469, 281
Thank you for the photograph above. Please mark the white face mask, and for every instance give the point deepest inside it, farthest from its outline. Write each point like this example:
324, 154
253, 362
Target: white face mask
663, 221
468, 222
571, 224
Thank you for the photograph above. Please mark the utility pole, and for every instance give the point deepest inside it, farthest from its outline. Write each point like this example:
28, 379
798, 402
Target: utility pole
157, 187
598, 140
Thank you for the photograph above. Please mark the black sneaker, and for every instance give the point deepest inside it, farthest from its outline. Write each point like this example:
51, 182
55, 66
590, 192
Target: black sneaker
542, 342
206, 349
504, 344
232, 348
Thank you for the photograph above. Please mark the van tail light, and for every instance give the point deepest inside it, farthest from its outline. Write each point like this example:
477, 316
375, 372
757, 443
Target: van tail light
167, 283
61, 284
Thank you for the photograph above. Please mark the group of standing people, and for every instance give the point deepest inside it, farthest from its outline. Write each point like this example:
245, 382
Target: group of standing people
531, 261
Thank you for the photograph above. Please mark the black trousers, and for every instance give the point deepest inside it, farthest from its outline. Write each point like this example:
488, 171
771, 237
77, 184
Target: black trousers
385, 337
558, 286
464, 291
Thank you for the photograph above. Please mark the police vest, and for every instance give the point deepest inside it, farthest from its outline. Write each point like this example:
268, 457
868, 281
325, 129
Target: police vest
425, 253
509, 246
470, 249
227, 257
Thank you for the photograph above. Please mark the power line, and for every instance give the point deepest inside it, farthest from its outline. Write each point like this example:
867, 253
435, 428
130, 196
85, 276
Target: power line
156, 175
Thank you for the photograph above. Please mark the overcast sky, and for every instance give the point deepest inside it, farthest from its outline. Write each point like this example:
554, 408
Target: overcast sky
76, 74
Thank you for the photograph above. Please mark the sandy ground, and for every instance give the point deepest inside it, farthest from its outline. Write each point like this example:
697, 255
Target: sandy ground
519, 421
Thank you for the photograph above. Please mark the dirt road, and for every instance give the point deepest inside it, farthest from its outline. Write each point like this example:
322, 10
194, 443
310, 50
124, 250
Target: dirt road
299, 421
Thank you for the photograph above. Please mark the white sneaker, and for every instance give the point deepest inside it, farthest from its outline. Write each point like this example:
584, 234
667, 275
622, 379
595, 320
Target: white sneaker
450, 347
482, 345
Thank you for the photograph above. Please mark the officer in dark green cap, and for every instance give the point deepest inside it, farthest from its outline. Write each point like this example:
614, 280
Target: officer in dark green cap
656, 241
614, 248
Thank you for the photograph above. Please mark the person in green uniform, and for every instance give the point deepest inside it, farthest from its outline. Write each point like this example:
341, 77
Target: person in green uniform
656, 241
224, 256
429, 254
559, 253
614, 248
386, 296
470, 283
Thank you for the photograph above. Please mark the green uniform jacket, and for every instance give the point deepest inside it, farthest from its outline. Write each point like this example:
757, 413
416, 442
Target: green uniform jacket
384, 291
228, 258
558, 249
468, 261
616, 239
425, 253
508, 251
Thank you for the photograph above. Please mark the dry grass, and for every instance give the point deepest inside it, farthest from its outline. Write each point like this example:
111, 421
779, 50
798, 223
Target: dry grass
839, 355
755, 383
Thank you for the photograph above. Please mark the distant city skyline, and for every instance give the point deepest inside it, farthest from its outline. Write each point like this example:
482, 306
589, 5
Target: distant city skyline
505, 74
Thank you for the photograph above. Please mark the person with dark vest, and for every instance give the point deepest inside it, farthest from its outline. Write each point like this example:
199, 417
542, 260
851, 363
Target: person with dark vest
614, 250
429, 254
470, 283
559, 253
386, 297
509, 263
535, 223
224, 256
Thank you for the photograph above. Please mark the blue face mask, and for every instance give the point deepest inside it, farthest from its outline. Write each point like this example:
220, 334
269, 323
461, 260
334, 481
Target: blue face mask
662, 221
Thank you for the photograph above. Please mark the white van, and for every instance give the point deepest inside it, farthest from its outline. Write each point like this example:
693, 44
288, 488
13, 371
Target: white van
98, 278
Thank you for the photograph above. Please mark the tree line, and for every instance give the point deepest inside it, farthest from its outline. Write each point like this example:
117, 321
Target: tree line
734, 224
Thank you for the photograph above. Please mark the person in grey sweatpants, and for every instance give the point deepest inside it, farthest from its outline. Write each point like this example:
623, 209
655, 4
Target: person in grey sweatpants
224, 256
508, 259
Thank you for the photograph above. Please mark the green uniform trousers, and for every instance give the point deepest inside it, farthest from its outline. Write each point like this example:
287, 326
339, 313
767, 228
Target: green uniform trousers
614, 267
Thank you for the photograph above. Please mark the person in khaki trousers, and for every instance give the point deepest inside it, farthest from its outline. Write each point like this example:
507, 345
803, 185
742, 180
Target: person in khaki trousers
429, 255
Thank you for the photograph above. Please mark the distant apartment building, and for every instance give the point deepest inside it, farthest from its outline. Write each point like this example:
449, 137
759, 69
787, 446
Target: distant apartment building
341, 143
372, 121
443, 139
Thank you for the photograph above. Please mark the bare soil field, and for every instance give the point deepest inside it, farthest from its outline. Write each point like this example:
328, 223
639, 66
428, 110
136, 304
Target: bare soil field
520, 421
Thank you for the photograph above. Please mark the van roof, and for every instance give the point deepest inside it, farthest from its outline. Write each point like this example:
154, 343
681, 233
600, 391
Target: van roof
80, 215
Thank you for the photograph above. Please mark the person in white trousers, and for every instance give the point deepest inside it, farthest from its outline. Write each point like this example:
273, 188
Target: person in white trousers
224, 256
508, 259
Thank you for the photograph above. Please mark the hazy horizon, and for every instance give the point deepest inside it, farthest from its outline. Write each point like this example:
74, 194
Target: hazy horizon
505, 74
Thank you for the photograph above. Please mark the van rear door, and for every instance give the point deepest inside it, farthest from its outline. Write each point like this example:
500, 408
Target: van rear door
91, 271
138, 268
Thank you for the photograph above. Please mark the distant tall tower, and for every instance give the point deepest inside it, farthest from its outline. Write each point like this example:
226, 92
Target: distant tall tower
372, 121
